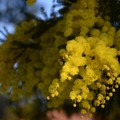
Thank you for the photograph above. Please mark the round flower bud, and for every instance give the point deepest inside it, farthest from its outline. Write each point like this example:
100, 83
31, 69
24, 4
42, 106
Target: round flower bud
107, 98
102, 106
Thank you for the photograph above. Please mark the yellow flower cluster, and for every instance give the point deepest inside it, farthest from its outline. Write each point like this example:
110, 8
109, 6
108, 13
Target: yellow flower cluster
77, 59
89, 72
80, 19
91, 67
18, 74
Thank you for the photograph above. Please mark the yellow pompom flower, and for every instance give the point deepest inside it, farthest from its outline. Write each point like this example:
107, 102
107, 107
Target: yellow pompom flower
92, 109
85, 104
79, 98
72, 96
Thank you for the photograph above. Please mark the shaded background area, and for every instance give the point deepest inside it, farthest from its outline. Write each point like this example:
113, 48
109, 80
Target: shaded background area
13, 12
